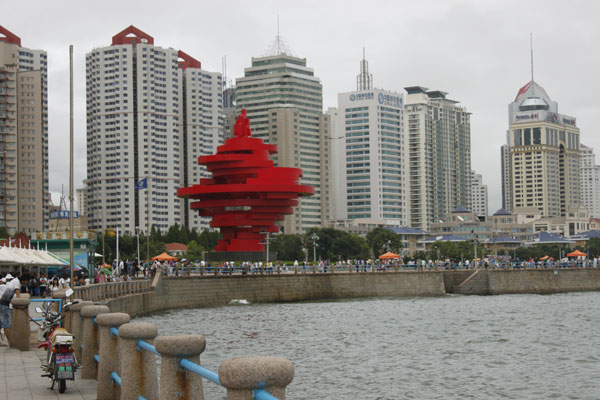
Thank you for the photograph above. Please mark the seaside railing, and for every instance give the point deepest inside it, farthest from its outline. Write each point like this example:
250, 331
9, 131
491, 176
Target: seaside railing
110, 290
218, 269
122, 356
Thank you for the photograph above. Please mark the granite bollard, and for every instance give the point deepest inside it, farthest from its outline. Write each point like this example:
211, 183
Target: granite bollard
62, 295
20, 330
109, 354
89, 368
241, 375
77, 325
175, 382
138, 367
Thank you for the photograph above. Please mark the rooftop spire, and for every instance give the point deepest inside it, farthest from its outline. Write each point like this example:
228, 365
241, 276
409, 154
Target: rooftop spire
531, 49
279, 46
364, 80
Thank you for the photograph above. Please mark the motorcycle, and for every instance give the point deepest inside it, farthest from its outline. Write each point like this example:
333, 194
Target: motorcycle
60, 356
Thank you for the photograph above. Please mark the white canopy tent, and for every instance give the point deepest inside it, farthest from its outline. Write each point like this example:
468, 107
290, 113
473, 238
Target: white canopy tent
28, 257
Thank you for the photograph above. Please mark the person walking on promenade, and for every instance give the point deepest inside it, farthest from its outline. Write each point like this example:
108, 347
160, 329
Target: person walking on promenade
11, 288
43, 284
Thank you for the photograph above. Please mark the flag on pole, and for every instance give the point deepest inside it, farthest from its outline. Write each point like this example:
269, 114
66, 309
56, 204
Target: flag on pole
141, 184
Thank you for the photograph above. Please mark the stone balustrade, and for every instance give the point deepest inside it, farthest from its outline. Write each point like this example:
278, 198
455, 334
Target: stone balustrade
111, 290
121, 355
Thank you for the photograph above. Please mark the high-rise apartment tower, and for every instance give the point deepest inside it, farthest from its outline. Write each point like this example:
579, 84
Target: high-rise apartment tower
151, 111
479, 196
24, 194
590, 181
438, 142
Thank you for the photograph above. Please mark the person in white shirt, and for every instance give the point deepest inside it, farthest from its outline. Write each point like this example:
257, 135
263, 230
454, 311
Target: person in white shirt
11, 288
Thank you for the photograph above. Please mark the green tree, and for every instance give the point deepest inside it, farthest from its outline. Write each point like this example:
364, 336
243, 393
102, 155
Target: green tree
348, 246
194, 251
381, 240
593, 247
208, 239
288, 247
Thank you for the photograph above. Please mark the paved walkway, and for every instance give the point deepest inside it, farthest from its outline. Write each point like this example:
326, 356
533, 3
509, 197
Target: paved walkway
20, 378
20, 374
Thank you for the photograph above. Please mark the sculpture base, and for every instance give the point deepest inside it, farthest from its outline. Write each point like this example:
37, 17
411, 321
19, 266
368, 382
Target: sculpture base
240, 256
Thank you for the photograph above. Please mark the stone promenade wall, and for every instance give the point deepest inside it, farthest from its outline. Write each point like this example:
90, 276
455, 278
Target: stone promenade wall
541, 281
213, 291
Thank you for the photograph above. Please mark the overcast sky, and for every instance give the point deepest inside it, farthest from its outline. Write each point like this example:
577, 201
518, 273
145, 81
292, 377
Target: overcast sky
477, 51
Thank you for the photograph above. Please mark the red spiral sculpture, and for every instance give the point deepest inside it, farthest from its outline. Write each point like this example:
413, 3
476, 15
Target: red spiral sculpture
246, 193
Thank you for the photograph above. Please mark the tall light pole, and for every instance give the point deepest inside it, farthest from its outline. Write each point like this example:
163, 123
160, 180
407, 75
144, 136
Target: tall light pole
117, 266
137, 233
314, 238
71, 246
268, 249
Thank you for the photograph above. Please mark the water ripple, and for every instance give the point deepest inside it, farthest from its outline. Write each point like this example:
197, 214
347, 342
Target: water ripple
452, 347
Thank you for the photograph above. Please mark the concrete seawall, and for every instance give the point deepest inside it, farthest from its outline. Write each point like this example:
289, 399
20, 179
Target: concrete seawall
213, 291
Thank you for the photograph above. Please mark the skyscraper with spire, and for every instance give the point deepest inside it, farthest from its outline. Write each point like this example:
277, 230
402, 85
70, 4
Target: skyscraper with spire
284, 102
368, 159
540, 166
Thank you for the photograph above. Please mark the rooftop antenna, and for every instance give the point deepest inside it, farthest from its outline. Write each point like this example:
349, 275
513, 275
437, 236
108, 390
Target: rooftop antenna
224, 67
531, 49
364, 80
278, 42
278, 46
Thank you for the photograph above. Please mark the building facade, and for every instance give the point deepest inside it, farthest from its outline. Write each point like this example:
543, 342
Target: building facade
24, 191
438, 146
479, 196
368, 148
590, 181
284, 102
151, 111
543, 148
82, 199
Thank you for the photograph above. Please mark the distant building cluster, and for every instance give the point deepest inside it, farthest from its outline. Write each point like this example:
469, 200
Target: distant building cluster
398, 158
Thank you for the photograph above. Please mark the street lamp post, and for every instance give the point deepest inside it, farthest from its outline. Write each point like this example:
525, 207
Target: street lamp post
137, 233
314, 238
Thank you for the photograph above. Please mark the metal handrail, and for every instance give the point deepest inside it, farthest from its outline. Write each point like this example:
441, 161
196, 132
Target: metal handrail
59, 301
116, 378
143, 345
200, 370
259, 393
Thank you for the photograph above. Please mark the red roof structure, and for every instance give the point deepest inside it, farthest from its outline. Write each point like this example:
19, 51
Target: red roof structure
187, 61
246, 193
9, 37
175, 247
525, 88
132, 35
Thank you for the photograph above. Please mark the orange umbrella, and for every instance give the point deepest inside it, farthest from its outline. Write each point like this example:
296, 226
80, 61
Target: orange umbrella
544, 258
577, 253
388, 255
164, 257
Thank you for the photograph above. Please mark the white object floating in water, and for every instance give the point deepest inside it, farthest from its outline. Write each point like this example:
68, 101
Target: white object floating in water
239, 301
